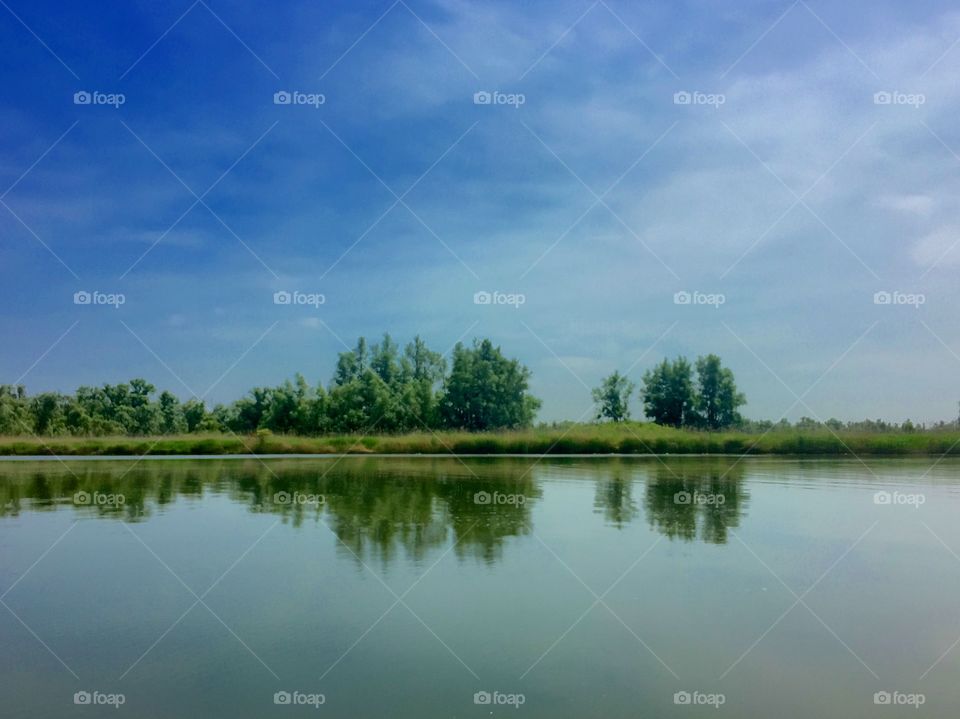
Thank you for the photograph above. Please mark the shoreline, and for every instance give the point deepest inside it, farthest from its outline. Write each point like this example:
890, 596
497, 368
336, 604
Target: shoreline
633, 439
450, 455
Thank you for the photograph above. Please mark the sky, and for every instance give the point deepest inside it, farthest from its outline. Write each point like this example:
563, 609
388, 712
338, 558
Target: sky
776, 182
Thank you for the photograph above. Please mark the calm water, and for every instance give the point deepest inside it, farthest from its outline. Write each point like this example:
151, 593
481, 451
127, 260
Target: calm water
403, 587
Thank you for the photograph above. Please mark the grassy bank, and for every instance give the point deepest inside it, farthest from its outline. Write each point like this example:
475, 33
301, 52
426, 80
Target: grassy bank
633, 438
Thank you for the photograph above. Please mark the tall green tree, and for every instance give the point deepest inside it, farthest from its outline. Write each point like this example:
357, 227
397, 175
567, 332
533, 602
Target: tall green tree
717, 398
49, 413
247, 413
667, 393
613, 397
194, 414
423, 371
486, 390
172, 420
15, 415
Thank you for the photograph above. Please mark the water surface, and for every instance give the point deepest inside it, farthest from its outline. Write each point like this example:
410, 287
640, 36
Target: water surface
403, 587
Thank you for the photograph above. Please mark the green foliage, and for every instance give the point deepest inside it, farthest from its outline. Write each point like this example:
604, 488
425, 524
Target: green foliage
15, 416
717, 399
485, 390
667, 393
627, 437
671, 397
613, 397
376, 389
382, 399
172, 419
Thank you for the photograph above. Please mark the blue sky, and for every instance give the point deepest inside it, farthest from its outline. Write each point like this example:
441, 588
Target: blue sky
786, 189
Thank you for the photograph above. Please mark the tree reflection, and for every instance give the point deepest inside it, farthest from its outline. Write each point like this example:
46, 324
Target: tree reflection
382, 509
683, 502
614, 498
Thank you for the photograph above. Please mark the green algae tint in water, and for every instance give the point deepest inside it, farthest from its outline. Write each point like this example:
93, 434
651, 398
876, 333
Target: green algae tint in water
424, 587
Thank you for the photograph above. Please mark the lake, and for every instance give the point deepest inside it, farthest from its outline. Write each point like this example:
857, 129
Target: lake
443, 587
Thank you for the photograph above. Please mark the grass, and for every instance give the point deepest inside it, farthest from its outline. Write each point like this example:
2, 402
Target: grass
629, 438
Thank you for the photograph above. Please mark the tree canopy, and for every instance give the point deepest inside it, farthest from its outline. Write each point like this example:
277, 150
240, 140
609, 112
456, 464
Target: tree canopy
612, 397
486, 390
672, 397
376, 388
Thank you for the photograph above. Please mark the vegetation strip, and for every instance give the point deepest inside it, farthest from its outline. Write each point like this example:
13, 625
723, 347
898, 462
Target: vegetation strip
608, 438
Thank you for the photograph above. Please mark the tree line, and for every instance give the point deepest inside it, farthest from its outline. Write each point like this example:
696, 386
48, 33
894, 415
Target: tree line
673, 396
381, 388
378, 388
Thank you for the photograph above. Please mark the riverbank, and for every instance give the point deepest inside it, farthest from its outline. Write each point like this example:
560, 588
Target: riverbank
632, 438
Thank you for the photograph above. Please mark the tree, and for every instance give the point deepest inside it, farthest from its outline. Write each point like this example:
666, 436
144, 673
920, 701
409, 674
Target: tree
246, 414
485, 390
15, 415
717, 398
376, 388
49, 413
360, 398
364, 404
423, 371
351, 364
385, 361
282, 405
613, 397
145, 415
194, 413
667, 393
172, 420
